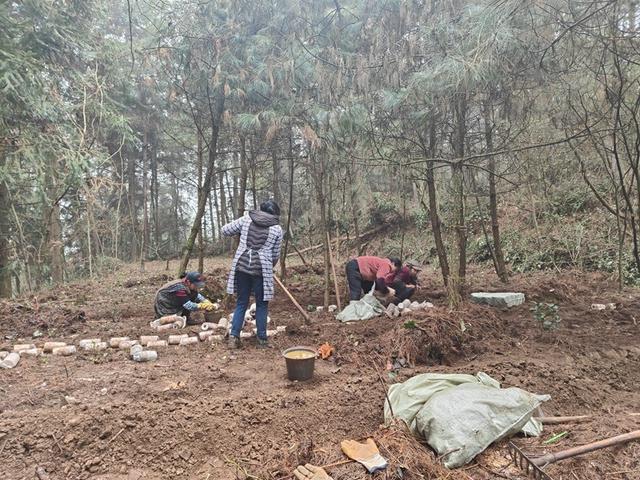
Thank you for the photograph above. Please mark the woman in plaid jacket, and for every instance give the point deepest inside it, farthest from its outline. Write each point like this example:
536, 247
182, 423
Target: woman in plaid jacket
252, 268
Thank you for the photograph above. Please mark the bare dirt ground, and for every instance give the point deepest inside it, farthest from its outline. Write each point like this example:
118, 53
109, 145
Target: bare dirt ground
203, 412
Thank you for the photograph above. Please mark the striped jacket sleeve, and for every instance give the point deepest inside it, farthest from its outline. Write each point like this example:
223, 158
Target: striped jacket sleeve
233, 228
275, 251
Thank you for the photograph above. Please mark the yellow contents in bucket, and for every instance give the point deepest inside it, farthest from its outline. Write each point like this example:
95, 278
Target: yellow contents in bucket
300, 354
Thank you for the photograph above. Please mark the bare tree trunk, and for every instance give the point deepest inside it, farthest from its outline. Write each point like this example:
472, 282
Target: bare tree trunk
216, 109
155, 195
277, 195
318, 168
89, 242
5, 228
145, 202
287, 232
231, 202
254, 191
5, 232
218, 218
175, 231
618, 131
501, 269
355, 214
436, 225
200, 195
131, 198
236, 185
214, 195
457, 180
244, 171
223, 214
54, 244
119, 177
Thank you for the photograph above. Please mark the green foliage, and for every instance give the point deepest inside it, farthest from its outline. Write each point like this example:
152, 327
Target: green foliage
479, 249
547, 315
420, 218
607, 261
569, 201
382, 208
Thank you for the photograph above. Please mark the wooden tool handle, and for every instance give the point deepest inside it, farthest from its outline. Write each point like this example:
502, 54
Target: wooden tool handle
558, 420
590, 447
307, 320
335, 277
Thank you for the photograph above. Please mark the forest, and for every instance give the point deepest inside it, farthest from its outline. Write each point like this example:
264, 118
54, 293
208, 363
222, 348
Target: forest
502, 131
493, 143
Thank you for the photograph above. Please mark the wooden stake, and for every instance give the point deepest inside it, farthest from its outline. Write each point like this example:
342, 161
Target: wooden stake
307, 320
335, 277
558, 420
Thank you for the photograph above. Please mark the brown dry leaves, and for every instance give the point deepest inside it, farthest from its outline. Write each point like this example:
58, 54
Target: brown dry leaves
325, 351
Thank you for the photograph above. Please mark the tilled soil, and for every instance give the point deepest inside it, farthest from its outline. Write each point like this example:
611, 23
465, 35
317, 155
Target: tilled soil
203, 412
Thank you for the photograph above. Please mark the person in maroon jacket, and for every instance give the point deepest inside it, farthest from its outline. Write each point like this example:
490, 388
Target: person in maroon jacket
364, 272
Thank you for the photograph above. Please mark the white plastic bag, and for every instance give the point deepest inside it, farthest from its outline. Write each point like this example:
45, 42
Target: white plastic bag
365, 308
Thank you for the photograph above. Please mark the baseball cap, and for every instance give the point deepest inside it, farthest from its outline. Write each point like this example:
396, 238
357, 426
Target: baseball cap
196, 278
414, 264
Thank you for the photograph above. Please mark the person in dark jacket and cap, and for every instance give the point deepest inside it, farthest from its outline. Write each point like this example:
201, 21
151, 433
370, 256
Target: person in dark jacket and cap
405, 282
252, 268
181, 297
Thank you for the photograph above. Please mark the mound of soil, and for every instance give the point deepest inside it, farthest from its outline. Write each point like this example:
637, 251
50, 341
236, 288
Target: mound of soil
23, 319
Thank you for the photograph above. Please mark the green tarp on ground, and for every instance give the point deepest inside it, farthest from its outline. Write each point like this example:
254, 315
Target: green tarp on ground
460, 415
364, 309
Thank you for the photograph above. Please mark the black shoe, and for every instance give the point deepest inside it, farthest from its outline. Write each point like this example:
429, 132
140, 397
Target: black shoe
263, 343
233, 342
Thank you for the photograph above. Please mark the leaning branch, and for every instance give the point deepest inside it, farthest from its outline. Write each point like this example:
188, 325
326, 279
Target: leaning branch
336, 240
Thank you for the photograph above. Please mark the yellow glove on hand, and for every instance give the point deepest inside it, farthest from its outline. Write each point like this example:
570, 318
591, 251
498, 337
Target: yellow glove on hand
206, 305
365, 453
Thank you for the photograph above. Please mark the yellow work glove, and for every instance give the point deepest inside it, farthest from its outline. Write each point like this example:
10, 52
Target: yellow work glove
365, 453
311, 472
206, 305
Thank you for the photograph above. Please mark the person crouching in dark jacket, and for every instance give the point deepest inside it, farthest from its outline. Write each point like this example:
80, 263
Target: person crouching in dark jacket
405, 282
252, 268
181, 297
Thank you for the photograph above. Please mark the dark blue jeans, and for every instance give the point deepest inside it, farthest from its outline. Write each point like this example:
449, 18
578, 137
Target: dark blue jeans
245, 284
